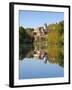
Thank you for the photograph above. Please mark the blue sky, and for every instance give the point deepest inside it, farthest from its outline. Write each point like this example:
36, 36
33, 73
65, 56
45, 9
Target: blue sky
34, 19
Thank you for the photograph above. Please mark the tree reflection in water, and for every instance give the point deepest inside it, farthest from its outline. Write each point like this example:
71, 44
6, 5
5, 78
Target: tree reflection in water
46, 46
40, 50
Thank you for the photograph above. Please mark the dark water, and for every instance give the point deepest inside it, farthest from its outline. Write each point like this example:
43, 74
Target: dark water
31, 68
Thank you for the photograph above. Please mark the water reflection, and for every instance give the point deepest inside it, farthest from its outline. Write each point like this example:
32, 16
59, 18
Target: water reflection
42, 50
41, 47
32, 68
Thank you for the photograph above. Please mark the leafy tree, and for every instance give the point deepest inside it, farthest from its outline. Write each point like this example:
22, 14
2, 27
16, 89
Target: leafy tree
25, 42
60, 58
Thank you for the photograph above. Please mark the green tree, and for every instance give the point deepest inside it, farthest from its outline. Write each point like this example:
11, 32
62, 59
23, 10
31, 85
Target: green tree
25, 43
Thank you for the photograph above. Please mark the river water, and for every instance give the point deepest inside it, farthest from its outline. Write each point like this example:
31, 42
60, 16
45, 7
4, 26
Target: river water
32, 68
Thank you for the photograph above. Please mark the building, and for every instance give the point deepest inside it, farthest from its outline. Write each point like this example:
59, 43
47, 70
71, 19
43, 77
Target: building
40, 32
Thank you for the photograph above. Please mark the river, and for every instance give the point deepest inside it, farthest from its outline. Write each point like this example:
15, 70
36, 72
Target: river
32, 68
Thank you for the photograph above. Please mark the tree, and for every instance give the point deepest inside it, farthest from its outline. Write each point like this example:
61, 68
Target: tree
46, 27
25, 43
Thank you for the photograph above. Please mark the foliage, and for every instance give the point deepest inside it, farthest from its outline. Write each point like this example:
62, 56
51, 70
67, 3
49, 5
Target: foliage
53, 43
56, 41
60, 58
25, 42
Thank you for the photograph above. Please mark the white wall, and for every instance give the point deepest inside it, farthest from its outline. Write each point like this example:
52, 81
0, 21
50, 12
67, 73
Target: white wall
4, 44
